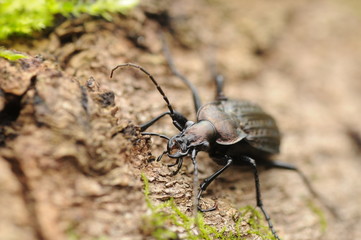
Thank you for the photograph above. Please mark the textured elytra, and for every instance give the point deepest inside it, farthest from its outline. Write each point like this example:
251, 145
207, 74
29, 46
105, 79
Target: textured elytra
236, 120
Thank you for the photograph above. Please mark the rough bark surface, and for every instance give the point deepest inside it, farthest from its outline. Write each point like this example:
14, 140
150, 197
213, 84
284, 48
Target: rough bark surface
71, 154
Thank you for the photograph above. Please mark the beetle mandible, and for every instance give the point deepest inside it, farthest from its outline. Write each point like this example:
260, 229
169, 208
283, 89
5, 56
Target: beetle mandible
231, 131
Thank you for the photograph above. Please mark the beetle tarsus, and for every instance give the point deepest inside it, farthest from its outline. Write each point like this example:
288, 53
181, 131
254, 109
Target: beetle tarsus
252, 163
173, 164
215, 206
161, 155
288, 166
179, 162
208, 181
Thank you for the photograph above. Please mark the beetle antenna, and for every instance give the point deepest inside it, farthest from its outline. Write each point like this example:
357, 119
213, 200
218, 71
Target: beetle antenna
160, 90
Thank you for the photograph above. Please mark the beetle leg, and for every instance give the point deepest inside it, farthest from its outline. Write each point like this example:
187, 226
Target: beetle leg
208, 181
219, 83
196, 99
288, 166
161, 155
179, 162
195, 181
218, 78
173, 164
146, 125
252, 163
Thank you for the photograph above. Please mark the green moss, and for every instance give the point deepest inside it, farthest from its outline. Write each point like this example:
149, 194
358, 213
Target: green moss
321, 215
72, 234
10, 55
168, 214
100, 238
24, 17
254, 218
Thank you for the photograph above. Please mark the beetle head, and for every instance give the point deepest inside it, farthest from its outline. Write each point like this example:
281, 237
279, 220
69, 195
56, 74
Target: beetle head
197, 136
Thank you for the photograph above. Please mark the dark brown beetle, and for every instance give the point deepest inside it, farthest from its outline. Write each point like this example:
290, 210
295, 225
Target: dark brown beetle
231, 131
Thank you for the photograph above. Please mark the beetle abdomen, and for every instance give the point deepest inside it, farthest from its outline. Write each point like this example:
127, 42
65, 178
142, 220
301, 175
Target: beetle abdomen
242, 120
261, 129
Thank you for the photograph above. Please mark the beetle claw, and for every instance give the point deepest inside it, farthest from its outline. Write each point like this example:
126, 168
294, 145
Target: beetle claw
160, 156
173, 164
175, 172
179, 162
215, 206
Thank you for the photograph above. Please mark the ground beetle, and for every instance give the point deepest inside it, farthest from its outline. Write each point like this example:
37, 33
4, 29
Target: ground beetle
231, 131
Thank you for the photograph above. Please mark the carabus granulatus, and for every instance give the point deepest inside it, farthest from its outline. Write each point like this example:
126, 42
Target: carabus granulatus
231, 131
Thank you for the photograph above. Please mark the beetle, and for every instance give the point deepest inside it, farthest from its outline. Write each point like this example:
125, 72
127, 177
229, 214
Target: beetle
231, 131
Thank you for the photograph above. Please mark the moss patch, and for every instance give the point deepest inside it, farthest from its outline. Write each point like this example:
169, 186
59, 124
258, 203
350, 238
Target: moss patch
183, 226
10, 55
321, 215
22, 17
